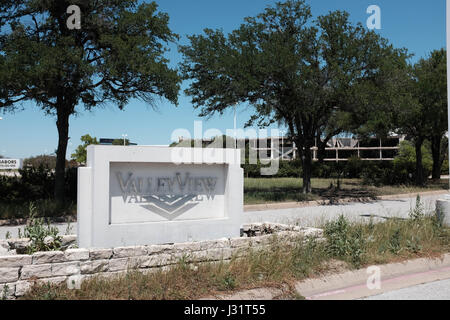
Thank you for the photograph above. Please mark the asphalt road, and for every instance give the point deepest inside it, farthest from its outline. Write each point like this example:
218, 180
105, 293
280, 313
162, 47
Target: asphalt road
438, 290
316, 216
308, 216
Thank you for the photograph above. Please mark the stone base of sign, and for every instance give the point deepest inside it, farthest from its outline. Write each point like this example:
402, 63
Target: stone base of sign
20, 246
18, 273
443, 210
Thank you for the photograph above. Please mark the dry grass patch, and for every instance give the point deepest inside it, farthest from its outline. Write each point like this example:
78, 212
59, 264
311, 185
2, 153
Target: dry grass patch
276, 266
347, 245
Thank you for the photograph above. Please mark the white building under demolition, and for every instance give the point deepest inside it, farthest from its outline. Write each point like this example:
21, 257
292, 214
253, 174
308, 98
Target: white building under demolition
337, 149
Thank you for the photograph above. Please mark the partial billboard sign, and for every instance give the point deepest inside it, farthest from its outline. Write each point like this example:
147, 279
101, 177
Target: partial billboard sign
11, 164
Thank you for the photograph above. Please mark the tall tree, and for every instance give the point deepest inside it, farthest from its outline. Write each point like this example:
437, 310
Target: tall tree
80, 154
431, 77
45, 160
292, 69
425, 115
117, 55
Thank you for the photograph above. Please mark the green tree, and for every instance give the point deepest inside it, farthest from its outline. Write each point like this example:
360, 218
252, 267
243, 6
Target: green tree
117, 55
405, 161
80, 153
293, 70
46, 161
423, 115
444, 156
431, 77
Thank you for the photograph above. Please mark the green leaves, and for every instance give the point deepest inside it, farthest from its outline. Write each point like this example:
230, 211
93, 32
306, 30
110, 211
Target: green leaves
288, 66
424, 111
80, 153
117, 55
319, 77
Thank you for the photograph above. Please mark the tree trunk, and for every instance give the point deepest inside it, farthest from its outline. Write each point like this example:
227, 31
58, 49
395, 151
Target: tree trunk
444, 152
419, 166
307, 168
62, 123
321, 152
437, 158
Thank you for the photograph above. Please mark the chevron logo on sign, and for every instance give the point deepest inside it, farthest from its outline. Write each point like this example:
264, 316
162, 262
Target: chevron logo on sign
170, 207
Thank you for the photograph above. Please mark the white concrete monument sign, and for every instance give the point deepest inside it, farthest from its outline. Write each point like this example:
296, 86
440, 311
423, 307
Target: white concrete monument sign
10, 164
155, 195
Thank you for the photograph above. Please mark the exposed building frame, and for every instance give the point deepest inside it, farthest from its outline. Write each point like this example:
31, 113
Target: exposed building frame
338, 147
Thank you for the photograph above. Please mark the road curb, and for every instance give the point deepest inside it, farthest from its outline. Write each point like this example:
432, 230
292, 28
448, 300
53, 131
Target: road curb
353, 284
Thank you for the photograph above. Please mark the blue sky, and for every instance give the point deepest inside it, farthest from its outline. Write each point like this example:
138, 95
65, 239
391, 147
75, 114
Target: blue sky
414, 24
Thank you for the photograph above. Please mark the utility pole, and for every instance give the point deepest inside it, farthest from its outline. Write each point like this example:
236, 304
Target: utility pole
235, 126
448, 71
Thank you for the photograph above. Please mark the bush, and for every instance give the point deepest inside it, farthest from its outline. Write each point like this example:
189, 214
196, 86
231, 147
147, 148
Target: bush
400, 171
322, 170
445, 168
36, 185
405, 162
46, 161
345, 242
287, 169
290, 169
354, 168
378, 173
252, 170
43, 237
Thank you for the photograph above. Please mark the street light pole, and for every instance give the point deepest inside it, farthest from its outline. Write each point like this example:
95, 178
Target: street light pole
448, 71
443, 205
124, 141
235, 126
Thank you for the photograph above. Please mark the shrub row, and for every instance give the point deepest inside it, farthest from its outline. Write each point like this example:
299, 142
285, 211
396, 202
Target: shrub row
287, 169
400, 171
372, 172
35, 185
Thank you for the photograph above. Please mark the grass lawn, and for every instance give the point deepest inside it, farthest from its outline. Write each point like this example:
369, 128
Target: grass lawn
347, 246
271, 190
